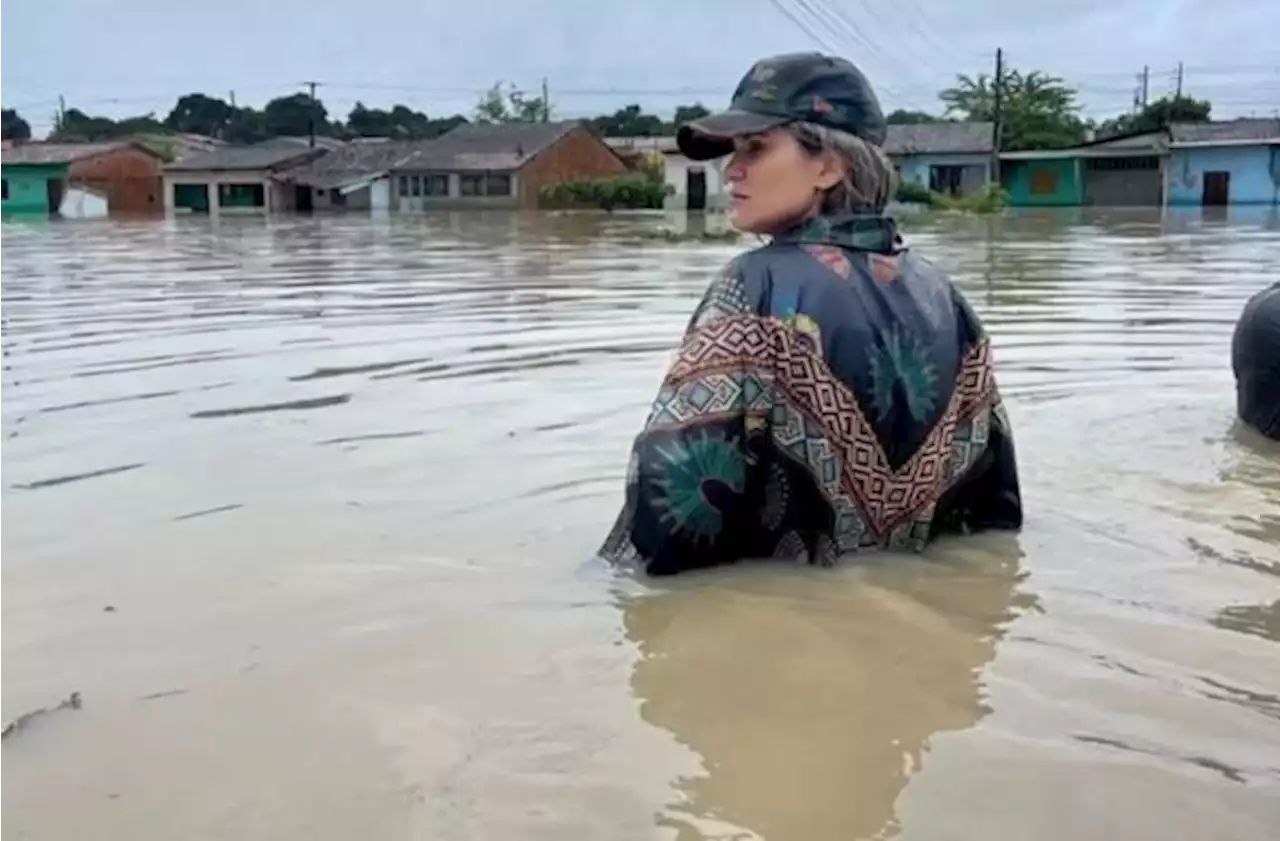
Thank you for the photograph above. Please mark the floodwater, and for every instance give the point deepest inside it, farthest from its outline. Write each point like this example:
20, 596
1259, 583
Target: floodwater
304, 509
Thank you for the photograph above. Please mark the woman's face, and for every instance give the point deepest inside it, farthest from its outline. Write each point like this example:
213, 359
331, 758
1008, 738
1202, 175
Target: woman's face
774, 182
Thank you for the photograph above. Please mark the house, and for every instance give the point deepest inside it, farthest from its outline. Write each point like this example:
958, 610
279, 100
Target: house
692, 185
950, 158
80, 179
1229, 162
355, 176
1124, 171
500, 165
237, 179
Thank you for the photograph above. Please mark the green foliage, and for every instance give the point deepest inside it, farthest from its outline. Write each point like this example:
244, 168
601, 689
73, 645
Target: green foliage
991, 199
1158, 115
14, 127
902, 117
634, 190
632, 121
504, 103
1039, 111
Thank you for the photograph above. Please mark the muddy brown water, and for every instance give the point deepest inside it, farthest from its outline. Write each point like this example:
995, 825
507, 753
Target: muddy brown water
304, 510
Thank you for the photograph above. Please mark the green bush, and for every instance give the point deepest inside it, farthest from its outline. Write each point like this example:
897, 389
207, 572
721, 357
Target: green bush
633, 191
988, 200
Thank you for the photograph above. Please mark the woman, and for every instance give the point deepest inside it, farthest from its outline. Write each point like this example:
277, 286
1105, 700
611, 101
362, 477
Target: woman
833, 391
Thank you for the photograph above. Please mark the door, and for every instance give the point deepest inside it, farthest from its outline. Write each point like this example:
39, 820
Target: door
1217, 189
302, 198
696, 188
54, 189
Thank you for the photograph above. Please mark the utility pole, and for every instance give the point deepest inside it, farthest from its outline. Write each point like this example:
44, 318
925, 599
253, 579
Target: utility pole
546, 102
1179, 93
1146, 81
997, 117
311, 113
62, 112
232, 98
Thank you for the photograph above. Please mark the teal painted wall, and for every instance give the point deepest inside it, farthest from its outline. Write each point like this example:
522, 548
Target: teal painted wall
28, 186
1020, 176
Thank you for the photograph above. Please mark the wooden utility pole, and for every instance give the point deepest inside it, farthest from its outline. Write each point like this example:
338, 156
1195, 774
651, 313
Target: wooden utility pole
1146, 81
997, 116
546, 102
311, 113
1179, 89
232, 98
62, 112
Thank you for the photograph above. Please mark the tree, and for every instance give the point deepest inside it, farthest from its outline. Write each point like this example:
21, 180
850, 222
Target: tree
196, 113
629, 122
400, 121
901, 117
1158, 115
295, 115
689, 113
1039, 111
14, 127
504, 103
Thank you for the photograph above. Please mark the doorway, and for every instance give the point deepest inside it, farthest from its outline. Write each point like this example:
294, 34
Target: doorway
1217, 189
54, 189
302, 198
696, 188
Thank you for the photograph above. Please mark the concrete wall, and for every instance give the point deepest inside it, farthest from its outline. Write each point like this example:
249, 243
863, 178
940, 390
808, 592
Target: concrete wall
676, 169
28, 187
914, 169
1053, 182
129, 177
277, 196
454, 199
1255, 173
80, 202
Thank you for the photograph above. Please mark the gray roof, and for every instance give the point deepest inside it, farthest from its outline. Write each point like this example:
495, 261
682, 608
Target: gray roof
353, 162
268, 155
1227, 131
939, 139
488, 146
61, 153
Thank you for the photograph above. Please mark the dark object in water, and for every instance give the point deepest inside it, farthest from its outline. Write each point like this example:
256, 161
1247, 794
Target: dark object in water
1255, 358
72, 702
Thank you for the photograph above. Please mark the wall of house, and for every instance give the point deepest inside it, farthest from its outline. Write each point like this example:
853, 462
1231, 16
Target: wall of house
1122, 181
276, 196
28, 187
676, 169
914, 169
374, 196
82, 202
1254, 179
1053, 182
129, 178
577, 156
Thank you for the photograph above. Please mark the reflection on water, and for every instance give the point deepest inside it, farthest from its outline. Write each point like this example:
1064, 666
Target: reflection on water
301, 507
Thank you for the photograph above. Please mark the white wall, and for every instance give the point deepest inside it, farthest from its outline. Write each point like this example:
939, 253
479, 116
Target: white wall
676, 173
82, 203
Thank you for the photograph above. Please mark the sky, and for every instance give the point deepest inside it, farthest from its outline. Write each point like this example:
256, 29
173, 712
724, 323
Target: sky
122, 57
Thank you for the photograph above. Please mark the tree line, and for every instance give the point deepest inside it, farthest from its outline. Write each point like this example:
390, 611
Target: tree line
1038, 111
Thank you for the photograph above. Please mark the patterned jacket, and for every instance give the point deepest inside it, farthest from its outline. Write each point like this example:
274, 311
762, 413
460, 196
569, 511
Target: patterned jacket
833, 393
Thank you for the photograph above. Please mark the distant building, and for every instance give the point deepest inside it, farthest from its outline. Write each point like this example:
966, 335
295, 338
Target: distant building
499, 165
1122, 171
237, 179
1230, 162
79, 180
692, 185
949, 158
355, 176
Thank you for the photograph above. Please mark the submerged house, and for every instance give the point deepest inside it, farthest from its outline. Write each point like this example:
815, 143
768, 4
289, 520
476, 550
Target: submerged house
954, 159
499, 165
80, 180
1229, 162
237, 179
1125, 171
356, 175
691, 185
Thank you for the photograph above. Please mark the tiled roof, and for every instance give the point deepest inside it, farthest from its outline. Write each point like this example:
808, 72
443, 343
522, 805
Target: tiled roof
352, 162
484, 146
1227, 131
939, 138
58, 153
268, 155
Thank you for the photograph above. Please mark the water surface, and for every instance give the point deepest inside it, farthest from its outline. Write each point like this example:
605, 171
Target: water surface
302, 507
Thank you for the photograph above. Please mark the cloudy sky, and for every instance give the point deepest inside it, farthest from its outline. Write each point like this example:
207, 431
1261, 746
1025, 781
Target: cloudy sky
119, 57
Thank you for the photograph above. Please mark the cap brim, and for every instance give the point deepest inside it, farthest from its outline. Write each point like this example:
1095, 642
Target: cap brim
712, 137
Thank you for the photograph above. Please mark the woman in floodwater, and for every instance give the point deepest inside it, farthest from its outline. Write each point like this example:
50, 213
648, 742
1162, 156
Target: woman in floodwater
833, 392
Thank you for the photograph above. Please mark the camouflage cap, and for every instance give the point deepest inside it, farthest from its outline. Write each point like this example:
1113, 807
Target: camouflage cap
796, 87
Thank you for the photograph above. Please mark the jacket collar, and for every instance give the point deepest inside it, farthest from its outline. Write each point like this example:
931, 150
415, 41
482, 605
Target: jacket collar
877, 234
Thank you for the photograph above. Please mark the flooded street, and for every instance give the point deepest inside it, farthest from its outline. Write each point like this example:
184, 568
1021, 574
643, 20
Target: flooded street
304, 509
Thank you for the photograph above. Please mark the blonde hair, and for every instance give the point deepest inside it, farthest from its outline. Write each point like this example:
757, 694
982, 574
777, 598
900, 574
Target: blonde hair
869, 180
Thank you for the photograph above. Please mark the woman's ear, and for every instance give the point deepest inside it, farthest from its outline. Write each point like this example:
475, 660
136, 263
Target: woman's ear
830, 171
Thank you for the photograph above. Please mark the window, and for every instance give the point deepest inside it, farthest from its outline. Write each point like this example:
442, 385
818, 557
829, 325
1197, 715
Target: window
435, 185
471, 185
415, 185
498, 184
4, 186
1044, 181
241, 195
404, 186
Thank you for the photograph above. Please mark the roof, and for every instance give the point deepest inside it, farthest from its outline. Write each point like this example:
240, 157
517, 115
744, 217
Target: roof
1244, 131
353, 162
939, 139
488, 146
665, 145
272, 154
48, 154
